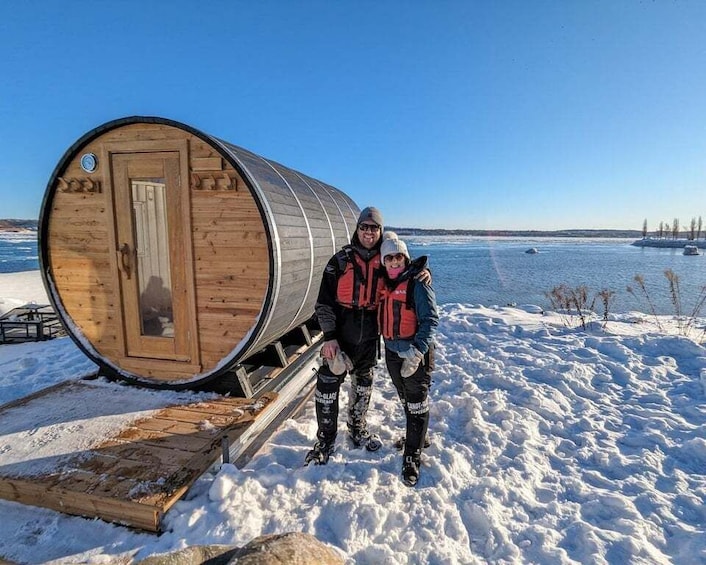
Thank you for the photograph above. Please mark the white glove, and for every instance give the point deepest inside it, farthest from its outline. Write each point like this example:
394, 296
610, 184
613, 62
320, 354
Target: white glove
412, 358
340, 363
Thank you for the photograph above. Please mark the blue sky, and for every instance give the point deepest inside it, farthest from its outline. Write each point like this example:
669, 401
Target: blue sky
450, 114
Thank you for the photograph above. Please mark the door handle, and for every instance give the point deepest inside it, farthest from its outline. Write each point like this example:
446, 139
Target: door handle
124, 260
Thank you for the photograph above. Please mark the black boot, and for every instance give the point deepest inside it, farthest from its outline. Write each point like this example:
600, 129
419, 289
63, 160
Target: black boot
320, 453
399, 444
326, 402
363, 438
410, 470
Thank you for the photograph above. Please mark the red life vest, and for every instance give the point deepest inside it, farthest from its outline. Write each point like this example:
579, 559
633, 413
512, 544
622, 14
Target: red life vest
397, 315
361, 282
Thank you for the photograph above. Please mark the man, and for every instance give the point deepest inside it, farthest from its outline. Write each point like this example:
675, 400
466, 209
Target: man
346, 309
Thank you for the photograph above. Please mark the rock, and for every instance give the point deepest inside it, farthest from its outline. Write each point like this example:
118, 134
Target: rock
194, 555
293, 548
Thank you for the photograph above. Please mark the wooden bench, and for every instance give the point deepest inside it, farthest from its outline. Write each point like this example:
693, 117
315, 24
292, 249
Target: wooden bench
31, 322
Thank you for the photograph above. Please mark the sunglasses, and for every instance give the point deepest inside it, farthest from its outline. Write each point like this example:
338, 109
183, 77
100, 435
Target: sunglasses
369, 227
397, 256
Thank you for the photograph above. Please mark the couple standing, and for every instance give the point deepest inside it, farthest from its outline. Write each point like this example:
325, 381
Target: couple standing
372, 287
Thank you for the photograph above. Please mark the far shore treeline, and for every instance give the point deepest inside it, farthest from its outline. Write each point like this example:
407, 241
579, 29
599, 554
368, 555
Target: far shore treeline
519, 233
694, 231
18, 225
21, 225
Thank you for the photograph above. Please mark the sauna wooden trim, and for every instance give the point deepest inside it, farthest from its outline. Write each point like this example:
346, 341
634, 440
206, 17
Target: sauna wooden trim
245, 256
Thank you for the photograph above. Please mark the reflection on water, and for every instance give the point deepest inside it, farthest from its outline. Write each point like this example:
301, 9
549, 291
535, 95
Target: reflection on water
498, 271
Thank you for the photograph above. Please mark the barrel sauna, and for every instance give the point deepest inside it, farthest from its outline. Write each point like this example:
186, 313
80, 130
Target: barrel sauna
171, 255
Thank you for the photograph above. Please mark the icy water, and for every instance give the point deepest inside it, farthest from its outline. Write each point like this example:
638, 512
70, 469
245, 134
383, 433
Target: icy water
18, 252
498, 271
488, 271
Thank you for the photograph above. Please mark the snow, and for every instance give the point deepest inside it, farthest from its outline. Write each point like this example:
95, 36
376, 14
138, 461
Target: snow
17, 289
89, 414
550, 444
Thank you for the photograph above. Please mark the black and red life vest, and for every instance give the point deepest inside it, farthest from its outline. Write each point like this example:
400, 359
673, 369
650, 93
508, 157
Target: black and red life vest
397, 315
361, 281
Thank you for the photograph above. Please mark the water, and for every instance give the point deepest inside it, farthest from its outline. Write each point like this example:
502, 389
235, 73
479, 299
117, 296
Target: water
499, 272
18, 252
487, 271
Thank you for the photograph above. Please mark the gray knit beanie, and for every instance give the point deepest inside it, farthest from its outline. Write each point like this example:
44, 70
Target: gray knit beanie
391, 244
371, 213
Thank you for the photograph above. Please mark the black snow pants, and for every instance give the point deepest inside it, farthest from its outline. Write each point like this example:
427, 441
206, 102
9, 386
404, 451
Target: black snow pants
414, 394
363, 354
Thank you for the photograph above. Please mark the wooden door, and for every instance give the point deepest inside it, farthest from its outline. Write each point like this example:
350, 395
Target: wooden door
156, 284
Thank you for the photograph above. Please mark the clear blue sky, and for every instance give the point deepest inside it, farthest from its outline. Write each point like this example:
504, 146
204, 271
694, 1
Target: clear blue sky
454, 114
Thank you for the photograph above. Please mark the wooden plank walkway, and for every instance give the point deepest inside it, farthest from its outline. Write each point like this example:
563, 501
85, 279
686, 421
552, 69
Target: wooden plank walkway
134, 477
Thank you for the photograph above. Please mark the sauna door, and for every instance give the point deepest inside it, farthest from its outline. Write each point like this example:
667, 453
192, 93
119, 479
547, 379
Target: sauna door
155, 282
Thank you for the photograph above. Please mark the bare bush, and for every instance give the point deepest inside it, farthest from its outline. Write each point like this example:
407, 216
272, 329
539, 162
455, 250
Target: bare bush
686, 324
570, 301
573, 304
640, 281
606, 296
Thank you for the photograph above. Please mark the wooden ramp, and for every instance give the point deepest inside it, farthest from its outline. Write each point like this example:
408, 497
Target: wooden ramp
136, 475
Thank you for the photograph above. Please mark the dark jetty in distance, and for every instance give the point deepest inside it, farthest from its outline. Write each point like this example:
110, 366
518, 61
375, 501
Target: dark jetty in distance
669, 243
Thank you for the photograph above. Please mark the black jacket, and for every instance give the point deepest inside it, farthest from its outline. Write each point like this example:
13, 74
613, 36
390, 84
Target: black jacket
351, 325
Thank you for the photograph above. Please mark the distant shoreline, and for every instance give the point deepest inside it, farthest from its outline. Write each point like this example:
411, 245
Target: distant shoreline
617, 234
18, 226
576, 233
29, 226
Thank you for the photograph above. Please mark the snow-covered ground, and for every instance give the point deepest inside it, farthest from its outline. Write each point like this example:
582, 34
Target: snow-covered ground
17, 289
550, 444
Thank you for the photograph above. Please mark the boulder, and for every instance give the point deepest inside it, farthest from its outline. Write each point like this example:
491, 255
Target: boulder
194, 555
294, 548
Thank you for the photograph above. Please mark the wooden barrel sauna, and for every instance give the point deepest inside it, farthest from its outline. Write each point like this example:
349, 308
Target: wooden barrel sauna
171, 255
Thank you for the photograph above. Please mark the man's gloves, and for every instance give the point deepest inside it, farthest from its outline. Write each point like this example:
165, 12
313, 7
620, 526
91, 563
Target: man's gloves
330, 349
336, 360
334, 357
412, 358
340, 363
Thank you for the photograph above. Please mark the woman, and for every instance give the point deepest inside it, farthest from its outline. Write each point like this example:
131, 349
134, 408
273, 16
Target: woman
408, 319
